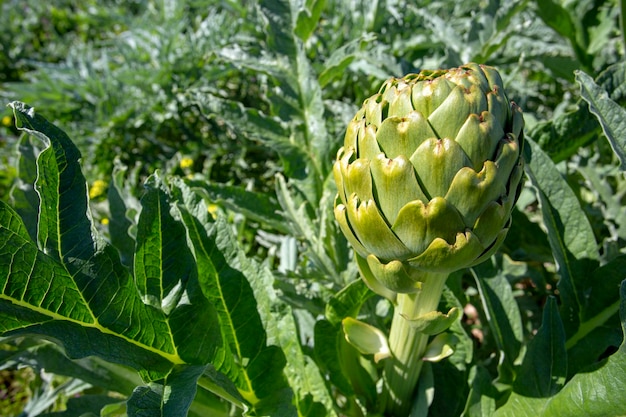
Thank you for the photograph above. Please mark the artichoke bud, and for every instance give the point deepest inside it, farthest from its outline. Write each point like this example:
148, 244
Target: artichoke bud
429, 173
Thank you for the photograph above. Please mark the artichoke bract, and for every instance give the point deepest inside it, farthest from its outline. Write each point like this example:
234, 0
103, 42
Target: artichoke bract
428, 175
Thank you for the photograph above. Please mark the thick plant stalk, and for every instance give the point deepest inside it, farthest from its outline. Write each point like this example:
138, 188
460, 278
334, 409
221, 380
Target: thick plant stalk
408, 345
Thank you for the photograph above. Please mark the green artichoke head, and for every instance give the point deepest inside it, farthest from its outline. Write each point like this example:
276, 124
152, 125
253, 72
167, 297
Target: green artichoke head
428, 175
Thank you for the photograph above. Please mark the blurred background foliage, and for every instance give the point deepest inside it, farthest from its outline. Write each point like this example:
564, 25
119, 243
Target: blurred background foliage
129, 81
120, 76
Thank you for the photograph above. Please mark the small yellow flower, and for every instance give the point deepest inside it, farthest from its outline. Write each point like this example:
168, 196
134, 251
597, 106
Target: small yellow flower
98, 188
212, 209
7, 121
104, 221
186, 162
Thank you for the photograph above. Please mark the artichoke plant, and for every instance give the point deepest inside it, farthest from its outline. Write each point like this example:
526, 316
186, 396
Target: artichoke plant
427, 178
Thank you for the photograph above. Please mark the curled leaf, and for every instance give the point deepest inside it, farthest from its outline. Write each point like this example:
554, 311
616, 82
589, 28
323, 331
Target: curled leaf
440, 347
434, 322
366, 339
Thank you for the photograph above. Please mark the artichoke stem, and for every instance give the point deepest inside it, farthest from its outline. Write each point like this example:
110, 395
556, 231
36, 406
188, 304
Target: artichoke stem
408, 345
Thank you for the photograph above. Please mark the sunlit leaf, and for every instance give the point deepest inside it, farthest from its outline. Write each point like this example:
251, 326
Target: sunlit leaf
611, 116
366, 338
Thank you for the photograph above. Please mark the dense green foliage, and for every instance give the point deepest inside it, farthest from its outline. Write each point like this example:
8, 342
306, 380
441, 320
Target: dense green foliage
167, 238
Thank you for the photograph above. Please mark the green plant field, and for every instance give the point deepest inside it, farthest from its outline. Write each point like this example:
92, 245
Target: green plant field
168, 242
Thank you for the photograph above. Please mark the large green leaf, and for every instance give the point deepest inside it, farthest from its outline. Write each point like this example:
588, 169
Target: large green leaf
163, 263
61, 187
596, 391
593, 347
543, 370
166, 277
189, 304
241, 293
569, 233
54, 287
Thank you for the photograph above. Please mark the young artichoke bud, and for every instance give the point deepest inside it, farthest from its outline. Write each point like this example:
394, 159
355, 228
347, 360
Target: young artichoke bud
428, 175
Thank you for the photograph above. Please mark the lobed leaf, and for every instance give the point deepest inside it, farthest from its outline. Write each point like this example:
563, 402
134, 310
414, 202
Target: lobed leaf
190, 303
73, 287
562, 136
611, 116
61, 187
163, 262
41, 297
253, 366
304, 225
304, 89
